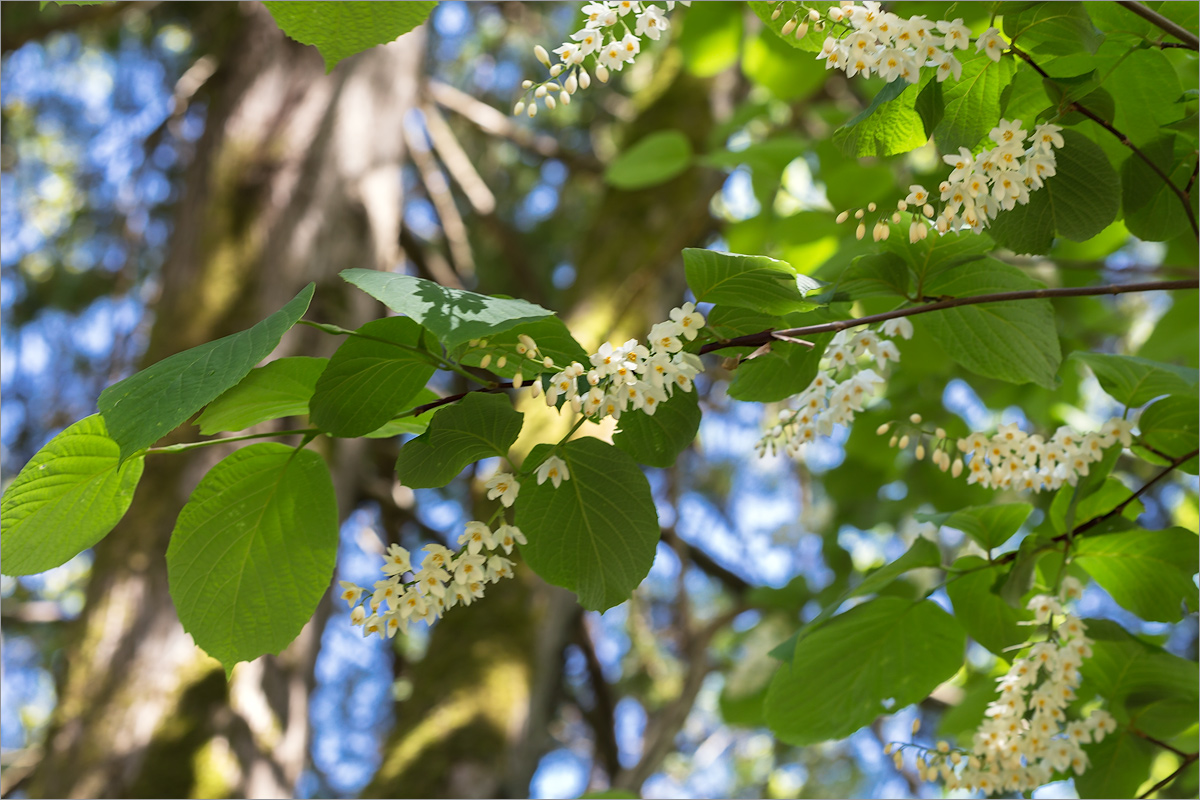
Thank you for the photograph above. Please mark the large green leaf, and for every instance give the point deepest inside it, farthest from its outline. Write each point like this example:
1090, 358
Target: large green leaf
401, 423
253, 551
872, 275
1014, 341
887, 649
653, 160
656, 440
1133, 381
282, 388
68, 497
372, 377
552, 337
1118, 765
148, 405
479, 426
972, 103
1056, 28
1092, 501
1132, 674
1081, 200
987, 617
888, 126
990, 526
1146, 89
1170, 426
342, 29
755, 282
455, 316
1148, 572
784, 371
936, 254
597, 532
1152, 209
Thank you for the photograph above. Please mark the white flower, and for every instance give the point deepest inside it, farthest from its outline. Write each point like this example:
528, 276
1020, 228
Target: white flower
589, 41
1047, 136
350, 592
651, 22
555, 469
612, 56
599, 15
947, 66
957, 36
901, 326
1007, 132
630, 47
991, 43
690, 320
397, 561
917, 194
504, 486
665, 336
498, 567
508, 535
477, 536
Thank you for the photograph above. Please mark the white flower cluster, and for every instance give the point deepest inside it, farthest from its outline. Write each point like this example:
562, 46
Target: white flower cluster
874, 41
1013, 459
826, 401
1027, 738
979, 187
598, 39
445, 579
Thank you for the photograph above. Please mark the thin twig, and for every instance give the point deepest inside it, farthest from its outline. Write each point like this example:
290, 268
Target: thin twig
763, 337
1094, 521
1188, 760
1075, 105
1160, 743
1178, 31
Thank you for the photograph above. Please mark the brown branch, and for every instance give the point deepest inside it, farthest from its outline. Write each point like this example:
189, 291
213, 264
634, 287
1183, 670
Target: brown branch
604, 713
453, 398
1094, 521
764, 337
1188, 760
1178, 31
1122, 138
1161, 743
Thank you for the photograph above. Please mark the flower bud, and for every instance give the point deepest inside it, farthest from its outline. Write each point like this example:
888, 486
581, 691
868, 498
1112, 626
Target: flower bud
860, 231
526, 84
892, 441
548, 362
887, 749
539, 92
571, 84
882, 429
487, 359
814, 15
565, 98
518, 379
957, 468
915, 419
896, 218
903, 441
940, 433
802, 30
555, 70
927, 210
532, 110
535, 388
541, 55
788, 27
842, 217
550, 103
871, 207
602, 73
916, 726
585, 80
500, 362
898, 759
778, 10
519, 108
859, 214
901, 205
920, 454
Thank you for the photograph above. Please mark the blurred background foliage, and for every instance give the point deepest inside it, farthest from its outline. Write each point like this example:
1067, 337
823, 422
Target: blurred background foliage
153, 151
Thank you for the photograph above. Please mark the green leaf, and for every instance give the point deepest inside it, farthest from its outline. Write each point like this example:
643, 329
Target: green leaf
455, 316
1148, 572
1170, 427
1146, 90
990, 526
888, 126
1126, 671
282, 388
756, 282
653, 160
831, 690
872, 275
788, 9
1020, 578
784, 371
711, 37
657, 440
936, 254
930, 105
988, 619
342, 29
972, 103
1014, 341
1152, 210
1025, 98
1093, 501
402, 424
1119, 765
148, 405
596, 533
1081, 200
68, 497
1133, 381
479, 426
1057, 28
253, 551
370, 380
551, 335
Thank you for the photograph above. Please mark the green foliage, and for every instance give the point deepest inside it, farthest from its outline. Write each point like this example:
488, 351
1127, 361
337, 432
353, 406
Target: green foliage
1091, 501
1133, 381
596, 533
371, 377
405, 422
990, 526
831, 690
653, 160
888, 126
1052, 28
972, 103
1081, 200
68, 497
1014, 341
711, 37
1152, 210
551, 335
1170, 427
282, 388
1119, 765
454, 316
342, 29
657, 440
148, 405
755, 282
1146, 91
789, 9
872, 275
478, 426
985, 615
1148, 572
253, 551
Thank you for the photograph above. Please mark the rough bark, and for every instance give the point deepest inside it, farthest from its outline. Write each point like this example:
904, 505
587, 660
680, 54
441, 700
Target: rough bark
295, 178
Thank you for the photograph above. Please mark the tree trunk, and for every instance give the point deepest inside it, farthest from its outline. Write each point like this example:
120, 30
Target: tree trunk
295, 178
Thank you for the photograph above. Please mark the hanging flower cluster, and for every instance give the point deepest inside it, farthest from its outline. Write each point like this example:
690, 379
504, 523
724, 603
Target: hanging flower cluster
601, 40
1013, 459
979, 187
445, 579
828, 401
1026, 737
